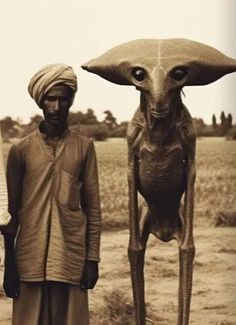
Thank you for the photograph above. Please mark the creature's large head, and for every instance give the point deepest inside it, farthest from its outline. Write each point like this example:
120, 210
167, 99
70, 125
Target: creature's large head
160, 69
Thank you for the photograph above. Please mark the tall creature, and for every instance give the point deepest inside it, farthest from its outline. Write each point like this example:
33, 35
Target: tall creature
161, 147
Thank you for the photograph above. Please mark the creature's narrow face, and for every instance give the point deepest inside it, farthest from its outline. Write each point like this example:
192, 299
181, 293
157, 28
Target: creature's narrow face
160, 88
159, 69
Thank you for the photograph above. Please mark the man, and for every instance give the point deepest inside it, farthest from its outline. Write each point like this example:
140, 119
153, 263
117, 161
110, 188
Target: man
54, 203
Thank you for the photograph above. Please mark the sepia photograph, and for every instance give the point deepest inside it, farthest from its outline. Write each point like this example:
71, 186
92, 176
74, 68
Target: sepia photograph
117, 162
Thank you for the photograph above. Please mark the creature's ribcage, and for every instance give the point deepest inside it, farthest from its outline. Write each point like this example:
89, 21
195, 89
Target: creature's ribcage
161, 176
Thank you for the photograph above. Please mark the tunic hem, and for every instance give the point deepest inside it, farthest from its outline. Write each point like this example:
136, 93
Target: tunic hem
41, 279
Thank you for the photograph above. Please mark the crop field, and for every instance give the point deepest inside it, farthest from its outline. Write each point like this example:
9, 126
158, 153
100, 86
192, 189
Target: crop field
214, 285
215, 184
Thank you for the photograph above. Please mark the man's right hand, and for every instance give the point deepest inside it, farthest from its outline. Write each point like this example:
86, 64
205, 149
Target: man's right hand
11, 284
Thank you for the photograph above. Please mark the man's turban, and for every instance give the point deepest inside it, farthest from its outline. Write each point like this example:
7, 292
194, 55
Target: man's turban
49, 76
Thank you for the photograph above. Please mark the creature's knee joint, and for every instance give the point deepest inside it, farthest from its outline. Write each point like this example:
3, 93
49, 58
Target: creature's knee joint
136, 250
136, 253
187, 250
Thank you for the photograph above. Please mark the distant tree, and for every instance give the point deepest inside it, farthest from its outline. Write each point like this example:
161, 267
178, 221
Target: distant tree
32, 125
222, 118
120, 131
199, 125
214, 124
7, 123
9, 127
223, 123
90, 117
110, 120
36, 119
75, 118
229, 121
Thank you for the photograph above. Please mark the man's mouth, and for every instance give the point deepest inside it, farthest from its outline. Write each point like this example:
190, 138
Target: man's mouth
54, 118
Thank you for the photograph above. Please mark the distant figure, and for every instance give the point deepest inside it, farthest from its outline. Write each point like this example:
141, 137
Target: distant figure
4, 215
52, 242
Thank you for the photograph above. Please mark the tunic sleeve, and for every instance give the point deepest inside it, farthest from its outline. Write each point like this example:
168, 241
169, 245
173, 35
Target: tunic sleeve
90, 202
15, 171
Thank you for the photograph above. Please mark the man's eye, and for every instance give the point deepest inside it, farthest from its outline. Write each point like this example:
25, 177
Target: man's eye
50, 98
179, 73
64, 99
139, 74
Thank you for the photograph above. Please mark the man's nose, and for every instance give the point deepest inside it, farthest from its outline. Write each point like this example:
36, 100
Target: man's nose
56, 105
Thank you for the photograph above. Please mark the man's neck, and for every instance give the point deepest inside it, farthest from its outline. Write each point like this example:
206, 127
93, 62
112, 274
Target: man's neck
53, 132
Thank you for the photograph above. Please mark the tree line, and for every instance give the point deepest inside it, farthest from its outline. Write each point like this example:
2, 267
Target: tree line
86, 123
224, 127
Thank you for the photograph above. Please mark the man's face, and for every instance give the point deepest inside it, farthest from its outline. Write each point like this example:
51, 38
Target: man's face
56, 104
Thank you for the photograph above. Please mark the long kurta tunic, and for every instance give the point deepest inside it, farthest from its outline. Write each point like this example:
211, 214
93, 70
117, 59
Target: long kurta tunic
55, 206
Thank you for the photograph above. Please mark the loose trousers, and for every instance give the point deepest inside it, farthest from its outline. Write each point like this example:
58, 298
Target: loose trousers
50, 303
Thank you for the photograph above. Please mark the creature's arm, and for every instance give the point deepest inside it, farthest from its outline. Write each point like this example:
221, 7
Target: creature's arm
133, 135
133, 201
188, 138
187, 130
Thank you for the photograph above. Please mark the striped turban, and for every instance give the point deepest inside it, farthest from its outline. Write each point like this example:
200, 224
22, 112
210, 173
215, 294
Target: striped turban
49, 76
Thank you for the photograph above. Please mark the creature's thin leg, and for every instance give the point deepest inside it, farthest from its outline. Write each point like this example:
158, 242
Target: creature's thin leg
136, 250
187, 250
136, 258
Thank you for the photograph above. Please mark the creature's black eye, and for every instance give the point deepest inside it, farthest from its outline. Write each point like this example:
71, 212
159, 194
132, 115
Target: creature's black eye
179, 73
139, 74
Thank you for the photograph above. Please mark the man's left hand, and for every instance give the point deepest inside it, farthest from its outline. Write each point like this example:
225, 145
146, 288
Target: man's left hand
90, 275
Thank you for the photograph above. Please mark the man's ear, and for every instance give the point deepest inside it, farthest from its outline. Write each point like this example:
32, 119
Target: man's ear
72, 100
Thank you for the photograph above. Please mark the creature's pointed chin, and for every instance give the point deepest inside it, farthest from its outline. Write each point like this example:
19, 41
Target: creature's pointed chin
155, 117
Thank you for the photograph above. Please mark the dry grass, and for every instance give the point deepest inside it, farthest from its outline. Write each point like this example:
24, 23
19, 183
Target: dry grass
213, 298
226, 219
216, 178
215, 184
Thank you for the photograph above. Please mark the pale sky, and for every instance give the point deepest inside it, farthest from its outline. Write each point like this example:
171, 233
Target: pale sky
38, 32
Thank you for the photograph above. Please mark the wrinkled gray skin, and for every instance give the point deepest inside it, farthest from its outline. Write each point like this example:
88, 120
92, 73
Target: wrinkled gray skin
162, 168
161, 147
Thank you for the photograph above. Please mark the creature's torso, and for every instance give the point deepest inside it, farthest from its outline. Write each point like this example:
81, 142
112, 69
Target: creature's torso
161, 179
160, 171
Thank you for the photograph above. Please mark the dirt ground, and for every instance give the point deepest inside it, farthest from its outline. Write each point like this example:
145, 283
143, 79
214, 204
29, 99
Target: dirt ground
214, 283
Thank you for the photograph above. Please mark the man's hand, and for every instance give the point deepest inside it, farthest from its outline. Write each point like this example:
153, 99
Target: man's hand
90, 275
11, 281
